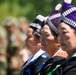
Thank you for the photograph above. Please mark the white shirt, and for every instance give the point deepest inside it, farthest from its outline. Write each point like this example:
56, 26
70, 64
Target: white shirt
74, 55
37, 54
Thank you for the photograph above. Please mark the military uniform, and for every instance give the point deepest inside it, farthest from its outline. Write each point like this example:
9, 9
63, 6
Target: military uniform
13, 36
13, 45
3, 45
3, 62
14, 65
3, 36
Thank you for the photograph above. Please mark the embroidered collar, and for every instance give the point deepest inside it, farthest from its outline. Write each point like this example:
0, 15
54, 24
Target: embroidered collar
74, 55
40, 52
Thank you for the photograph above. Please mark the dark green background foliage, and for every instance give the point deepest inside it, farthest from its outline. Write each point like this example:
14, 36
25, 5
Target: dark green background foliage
27, 8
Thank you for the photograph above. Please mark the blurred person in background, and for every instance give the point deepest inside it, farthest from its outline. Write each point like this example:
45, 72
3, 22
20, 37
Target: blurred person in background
23, 25
24, 54
35, 61
10, 25
14, 44
3, 35
3, 45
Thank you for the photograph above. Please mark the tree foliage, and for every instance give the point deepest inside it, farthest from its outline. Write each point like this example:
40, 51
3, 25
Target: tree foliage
27, 8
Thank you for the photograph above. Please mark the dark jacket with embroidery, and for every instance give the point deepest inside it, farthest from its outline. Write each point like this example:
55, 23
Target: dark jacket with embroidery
35, 66
67, 68
49, 64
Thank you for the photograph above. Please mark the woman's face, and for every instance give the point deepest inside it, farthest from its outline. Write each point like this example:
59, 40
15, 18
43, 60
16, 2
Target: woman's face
42, 40
48, 41
31, 41
67, 38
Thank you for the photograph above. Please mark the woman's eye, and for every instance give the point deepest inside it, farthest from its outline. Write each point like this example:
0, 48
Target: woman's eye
29, 36
64, 32
46, 35
58, 33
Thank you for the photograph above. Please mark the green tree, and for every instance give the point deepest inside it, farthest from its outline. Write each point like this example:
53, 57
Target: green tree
27, 8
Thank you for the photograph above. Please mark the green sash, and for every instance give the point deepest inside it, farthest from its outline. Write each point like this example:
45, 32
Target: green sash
50, 73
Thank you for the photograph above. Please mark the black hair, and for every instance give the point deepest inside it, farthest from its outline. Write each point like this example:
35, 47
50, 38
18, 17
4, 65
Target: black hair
37, 35
53, 32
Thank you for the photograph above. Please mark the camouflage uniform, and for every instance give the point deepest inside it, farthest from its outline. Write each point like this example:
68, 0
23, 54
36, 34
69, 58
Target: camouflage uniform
13, 36
14, 65
3, 45
3, 36
13, 45
3, 62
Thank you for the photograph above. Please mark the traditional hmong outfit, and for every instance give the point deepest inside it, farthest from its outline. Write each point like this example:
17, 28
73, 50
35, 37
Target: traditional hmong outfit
51, 64
35, 64
67, 68
48, 67
68, 16
36, 61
